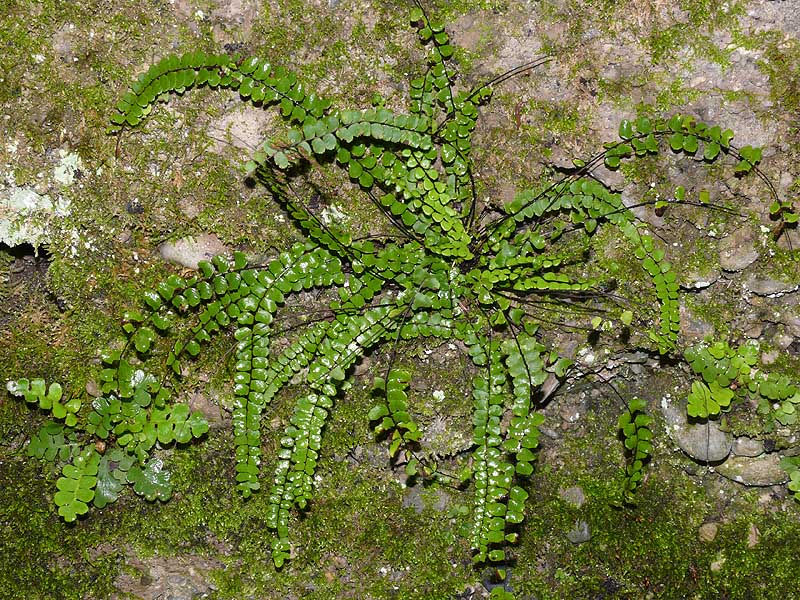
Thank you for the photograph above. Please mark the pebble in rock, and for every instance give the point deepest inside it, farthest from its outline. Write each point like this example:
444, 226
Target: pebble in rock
759, 471
573, 496
737, 251
189, 251
745, 446
704, 442
764, 286
580, 533
707, 532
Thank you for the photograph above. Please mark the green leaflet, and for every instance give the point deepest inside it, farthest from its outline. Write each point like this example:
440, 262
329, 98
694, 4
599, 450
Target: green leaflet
47, 398
53, 442
112, 475
708, 400
791, 464
152, 481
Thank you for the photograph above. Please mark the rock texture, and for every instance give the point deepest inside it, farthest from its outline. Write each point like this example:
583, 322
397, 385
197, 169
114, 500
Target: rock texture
759, 471
189, 251
704, 442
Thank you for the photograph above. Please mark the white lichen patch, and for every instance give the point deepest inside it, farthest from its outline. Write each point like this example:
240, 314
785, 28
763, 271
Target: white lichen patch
25, 213
22, 215
67, 167
333, 214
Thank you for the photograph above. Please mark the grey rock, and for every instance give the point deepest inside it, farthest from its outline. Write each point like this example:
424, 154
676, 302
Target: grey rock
754, 331
764, 286
199, 401
413, 499
737, 251
419, 499
704, 442
745, 446
695, 280
22, 211
758, 471
573, 495
243, 129
707, 532
189, 251
793, 325
789, 239
693, 328
580, 533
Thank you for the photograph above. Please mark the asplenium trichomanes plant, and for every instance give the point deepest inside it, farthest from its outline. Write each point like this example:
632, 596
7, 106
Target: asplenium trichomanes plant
451, 268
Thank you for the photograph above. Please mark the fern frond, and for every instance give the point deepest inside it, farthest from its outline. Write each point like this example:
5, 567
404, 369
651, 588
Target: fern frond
633, 426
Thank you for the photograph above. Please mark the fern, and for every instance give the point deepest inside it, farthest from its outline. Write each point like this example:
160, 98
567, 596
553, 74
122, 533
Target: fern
448, 270
637, 436
731, 374
133, 414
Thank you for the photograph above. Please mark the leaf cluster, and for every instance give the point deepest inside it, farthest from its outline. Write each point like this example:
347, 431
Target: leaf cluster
637, 437
111, 444
791, 464
729, 373
500, 456
683, 134
392, 415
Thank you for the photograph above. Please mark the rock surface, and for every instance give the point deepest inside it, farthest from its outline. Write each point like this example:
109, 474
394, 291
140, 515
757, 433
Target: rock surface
574, 496
703, 442
737, 251
753, 471
766, 286
707, 532
580, 533
745, 446
189, 251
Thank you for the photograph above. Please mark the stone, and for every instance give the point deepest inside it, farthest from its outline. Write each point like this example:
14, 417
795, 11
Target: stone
789, 239
793, 325
22, 213
703, 442
580, 533
243, 129
764, 286
707, 532
199, 401
757, 471
745, 446
573, 496
696, 280
693, 328
717, 564
68, 167
753, 536
189, 251
737, 251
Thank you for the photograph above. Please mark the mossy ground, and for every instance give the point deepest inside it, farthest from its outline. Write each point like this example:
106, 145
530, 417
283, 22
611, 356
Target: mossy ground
64, 64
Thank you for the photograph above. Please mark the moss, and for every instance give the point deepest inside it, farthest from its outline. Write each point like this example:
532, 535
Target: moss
781, 66
39, 554
652, 549
357, 540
